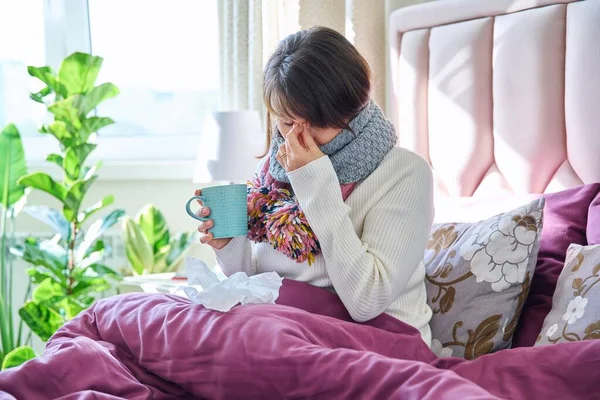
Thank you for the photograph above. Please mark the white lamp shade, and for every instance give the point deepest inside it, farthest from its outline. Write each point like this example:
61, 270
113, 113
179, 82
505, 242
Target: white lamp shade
229, 144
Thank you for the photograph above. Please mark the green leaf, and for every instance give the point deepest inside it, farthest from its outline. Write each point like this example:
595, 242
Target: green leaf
51, 217
73, 308
46, 75
12, 166
41, 319
79, 71
93, 254
17, 357
94, 124
106, 201
71, 164
39, 96
48, 292
60, 131
97, 229
46, 254
75, 158
82, 151
86, 300
139, 252
38, 274
75, 196
55, 158
87, 102
87, 284
160, 258
99, 246
102, 271
45, 183
153, 224
66, 111
69, 307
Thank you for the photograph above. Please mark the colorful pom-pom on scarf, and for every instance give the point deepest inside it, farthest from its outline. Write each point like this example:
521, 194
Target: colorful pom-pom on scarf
274, 216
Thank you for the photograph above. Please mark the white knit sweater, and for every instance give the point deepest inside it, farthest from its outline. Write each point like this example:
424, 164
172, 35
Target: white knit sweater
372, 244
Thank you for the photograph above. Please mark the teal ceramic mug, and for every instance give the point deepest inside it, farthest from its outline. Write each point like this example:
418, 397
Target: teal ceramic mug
228, 210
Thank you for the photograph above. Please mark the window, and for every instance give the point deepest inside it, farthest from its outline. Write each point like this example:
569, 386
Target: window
22, 44
163, 55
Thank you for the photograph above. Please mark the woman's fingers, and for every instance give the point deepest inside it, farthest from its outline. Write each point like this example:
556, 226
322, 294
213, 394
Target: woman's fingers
206, 238
291, 139
308, 140
300, 140
203, 211
289, 153
294, 129
205, 226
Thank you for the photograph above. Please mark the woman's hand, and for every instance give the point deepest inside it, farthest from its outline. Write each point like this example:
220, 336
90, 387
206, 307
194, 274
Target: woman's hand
299, 149
205, 236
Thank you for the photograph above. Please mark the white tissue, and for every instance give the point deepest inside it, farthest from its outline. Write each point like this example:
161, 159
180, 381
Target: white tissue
222, 295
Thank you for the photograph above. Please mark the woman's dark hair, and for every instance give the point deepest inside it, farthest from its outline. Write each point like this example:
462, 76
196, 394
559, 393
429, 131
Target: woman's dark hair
317, 75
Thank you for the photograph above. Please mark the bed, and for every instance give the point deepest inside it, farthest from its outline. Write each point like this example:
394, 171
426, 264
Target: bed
501, 98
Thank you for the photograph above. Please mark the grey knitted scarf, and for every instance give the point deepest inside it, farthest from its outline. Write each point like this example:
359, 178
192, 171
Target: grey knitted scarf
355, 152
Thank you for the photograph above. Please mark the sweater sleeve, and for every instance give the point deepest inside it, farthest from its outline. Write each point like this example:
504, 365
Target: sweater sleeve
237, 256
371, 271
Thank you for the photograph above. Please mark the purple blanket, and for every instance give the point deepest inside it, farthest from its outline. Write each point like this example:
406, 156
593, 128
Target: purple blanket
142, 346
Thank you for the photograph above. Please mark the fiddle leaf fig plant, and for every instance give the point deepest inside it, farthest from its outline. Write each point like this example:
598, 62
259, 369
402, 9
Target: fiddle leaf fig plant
67, 269
149, 246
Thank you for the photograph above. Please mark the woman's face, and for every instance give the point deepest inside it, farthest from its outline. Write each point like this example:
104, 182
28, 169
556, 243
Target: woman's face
320, 135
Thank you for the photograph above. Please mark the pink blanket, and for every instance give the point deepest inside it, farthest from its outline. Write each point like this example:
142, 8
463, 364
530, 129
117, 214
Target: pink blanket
142, 346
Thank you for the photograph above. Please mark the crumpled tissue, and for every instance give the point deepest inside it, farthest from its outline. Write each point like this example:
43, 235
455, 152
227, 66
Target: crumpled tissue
223, 295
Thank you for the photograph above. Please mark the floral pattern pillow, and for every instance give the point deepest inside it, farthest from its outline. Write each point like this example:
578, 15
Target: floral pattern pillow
478, 277
575, 313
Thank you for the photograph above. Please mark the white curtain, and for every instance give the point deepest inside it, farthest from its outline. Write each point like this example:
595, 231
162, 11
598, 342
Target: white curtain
251, 29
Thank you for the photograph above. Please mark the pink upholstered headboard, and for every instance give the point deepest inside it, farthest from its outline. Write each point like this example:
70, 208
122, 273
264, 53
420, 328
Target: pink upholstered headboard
500, 96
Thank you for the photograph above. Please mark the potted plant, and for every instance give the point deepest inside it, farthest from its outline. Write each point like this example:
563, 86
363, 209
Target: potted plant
13, 350
149, 245
67, 270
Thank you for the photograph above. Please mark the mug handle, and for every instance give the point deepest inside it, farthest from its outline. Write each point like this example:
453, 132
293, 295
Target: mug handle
188, 208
